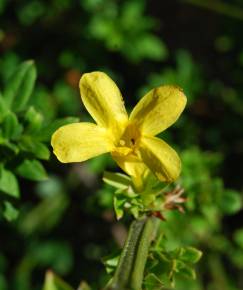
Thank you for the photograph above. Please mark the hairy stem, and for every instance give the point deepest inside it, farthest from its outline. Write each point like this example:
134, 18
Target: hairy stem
148, 234
130, 270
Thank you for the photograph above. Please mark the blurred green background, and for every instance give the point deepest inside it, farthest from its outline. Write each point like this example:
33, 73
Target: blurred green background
66, 222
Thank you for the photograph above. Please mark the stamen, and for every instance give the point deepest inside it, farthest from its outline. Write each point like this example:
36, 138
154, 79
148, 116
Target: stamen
122, 142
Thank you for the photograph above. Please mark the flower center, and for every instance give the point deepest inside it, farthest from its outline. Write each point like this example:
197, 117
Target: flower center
129, 140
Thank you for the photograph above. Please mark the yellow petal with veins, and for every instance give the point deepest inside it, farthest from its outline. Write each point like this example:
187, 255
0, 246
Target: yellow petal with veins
158, 109
80, 141
160, 158
133, 166
104, 102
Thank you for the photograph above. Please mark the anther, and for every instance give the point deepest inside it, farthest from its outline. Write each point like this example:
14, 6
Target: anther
122, 142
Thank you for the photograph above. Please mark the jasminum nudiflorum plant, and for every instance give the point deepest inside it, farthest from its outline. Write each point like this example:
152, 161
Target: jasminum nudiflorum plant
149, 162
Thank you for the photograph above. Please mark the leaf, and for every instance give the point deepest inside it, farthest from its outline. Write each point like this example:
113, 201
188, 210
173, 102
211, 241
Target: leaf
9, 146
135, 211
3, 108
20, 86
238, 237
34, 120
152, 47
32, 169
50, 209
11, 127
187, 272
119, 206
47, 131
184, 269
40, 150
231, 202
190, 255
3, 4
117, 180
237, 257
9, 211
165, 264
83, 286
9, 183
31, 145
48, 252
152, 282
52, 282
111, 262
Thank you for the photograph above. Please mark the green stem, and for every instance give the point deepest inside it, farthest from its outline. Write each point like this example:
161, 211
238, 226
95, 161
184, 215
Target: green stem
130, 270
149, 234
125, 265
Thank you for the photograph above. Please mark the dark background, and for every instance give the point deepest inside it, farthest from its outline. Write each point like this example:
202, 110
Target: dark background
141, 44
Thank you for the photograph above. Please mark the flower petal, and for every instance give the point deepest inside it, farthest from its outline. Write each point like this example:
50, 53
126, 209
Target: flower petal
80, 141
103, 100
160, 158
158, 109
133, 166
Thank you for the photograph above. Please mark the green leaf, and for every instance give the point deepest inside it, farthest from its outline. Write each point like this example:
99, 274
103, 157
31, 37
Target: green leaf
47, 131
9, 211
8, 183
3, 108
32, 169
10, 147
34, 120
40, 150
237, 258
152, 47
3, 3
119, 206
49, 209
111, 262
190, 255
185, 270
20, 86
165, 264
231, 202
135, 210
52, 282
152, 282
11, 127
238, 237
117, 180
31, 145
83, 286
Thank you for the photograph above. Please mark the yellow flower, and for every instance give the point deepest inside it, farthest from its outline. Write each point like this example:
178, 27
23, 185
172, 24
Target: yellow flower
130, 140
